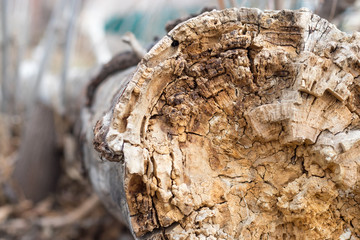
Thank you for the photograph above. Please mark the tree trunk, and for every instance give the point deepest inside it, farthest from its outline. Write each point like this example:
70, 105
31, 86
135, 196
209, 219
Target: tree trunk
37, 166
239, 124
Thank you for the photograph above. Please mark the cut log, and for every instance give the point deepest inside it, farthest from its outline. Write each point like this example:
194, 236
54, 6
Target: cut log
239, 124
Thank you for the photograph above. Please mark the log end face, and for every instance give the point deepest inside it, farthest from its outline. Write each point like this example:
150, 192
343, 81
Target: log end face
236, 130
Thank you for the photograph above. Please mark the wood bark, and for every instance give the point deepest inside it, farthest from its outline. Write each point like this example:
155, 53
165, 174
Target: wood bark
239, 124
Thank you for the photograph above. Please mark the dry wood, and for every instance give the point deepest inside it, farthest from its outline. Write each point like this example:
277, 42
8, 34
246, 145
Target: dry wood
239, 124
71, 217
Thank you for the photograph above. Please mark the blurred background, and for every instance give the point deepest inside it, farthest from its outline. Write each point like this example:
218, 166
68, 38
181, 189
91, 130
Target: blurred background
50, 50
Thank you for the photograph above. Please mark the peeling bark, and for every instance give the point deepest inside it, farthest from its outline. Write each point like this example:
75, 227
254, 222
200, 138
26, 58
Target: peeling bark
239, 124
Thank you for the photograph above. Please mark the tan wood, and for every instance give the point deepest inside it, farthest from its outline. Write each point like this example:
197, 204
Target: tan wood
239, 124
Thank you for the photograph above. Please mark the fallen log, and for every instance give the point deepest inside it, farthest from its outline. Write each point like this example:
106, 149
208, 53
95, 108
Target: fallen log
239, 124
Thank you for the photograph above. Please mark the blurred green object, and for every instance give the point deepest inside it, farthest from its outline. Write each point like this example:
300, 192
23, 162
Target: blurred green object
145, 26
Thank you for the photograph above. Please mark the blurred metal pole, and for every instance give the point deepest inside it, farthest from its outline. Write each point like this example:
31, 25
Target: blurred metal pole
4, 55
23, 32
49, 40
75, 6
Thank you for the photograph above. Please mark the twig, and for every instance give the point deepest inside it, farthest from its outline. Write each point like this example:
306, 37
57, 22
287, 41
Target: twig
130, 39
73, 216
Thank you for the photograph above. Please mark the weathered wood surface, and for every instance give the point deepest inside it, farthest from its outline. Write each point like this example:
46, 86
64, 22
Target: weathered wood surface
239, 124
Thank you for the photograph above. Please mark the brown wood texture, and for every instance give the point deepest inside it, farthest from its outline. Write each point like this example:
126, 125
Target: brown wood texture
239, 124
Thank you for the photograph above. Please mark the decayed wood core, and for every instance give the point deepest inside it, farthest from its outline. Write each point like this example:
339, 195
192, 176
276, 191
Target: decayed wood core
241, 124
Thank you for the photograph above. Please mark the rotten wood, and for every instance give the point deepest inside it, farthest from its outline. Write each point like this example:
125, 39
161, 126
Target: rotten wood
239, 124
